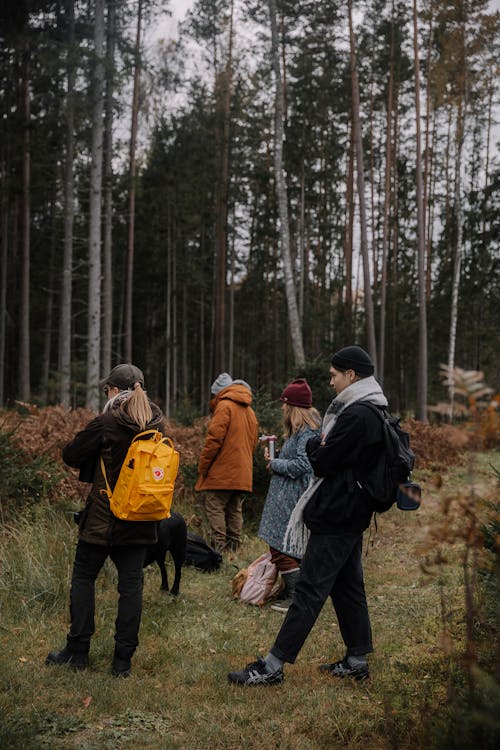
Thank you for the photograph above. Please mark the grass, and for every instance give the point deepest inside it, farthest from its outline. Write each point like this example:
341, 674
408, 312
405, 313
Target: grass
178, 696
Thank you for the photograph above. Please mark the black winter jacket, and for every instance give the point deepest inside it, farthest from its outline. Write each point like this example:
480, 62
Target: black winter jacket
108, 435
350, 451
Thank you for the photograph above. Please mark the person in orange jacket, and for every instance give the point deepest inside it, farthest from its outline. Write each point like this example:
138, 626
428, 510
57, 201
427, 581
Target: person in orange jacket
225, 466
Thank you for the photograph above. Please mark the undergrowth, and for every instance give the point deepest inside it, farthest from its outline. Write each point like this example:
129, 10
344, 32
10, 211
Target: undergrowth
178, 696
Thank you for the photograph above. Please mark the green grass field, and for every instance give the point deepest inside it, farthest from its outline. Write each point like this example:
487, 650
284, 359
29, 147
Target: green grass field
178, 695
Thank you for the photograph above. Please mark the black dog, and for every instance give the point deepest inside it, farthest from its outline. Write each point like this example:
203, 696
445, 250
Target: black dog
172, 537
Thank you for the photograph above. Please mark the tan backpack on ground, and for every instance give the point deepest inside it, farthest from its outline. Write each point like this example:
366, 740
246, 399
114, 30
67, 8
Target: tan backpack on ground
259, 583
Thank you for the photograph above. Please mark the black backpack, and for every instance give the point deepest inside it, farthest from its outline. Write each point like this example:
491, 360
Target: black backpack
201, 555
393, 468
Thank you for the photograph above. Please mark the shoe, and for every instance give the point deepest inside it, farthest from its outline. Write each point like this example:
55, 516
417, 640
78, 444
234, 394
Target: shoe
281, 605
256, 674
76, 661
121, 667
344, 669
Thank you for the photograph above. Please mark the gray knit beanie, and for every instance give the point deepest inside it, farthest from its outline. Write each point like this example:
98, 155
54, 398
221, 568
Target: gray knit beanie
220, 382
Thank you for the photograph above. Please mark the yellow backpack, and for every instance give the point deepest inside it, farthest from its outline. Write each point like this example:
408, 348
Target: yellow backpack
145, 485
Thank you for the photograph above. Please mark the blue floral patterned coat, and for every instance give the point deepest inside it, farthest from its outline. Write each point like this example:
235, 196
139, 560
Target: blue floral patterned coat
291, 472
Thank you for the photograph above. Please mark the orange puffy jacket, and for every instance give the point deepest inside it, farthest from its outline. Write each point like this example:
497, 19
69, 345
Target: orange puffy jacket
226, 461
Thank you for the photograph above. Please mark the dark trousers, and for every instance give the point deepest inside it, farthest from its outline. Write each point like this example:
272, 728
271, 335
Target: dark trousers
89, 559
331, 566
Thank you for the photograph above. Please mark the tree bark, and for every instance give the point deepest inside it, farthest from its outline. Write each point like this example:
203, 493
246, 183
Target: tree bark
129, 272
281, 194
94, 284
224, 83
370, 322
422, 303
24, 380
3, 275
107, 287
348, 237
69, 213
387, 209
457, 262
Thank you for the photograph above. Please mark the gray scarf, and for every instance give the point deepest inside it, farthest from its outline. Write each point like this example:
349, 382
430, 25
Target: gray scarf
367, 389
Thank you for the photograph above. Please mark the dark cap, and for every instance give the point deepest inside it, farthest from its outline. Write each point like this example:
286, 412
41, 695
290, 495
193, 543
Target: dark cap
123, 377
353, 358
297, 393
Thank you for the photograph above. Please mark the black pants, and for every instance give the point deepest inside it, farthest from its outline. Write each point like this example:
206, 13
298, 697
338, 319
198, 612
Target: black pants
89, 559
331, 566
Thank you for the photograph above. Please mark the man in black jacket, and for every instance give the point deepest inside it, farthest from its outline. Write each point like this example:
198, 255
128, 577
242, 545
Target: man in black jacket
329, 521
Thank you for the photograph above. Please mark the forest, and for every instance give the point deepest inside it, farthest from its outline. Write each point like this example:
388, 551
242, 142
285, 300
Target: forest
281, 179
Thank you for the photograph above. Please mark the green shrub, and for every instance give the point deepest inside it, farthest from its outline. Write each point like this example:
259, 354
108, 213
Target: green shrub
24, 480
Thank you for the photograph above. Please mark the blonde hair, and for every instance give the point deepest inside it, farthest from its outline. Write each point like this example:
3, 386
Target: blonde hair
295, 418
137, 406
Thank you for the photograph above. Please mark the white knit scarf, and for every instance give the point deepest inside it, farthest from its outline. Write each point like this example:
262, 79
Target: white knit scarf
366, 389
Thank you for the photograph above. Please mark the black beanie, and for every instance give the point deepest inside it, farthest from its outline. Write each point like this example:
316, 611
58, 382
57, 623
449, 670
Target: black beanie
353, 358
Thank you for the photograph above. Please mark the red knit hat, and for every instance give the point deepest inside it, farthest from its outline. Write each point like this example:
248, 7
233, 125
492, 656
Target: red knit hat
297, 393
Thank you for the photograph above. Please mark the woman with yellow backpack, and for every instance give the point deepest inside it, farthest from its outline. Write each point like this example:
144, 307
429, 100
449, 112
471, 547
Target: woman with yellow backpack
99, 452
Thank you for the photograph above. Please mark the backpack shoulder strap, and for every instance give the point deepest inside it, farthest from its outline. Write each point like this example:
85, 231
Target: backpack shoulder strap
380, 411
107, 491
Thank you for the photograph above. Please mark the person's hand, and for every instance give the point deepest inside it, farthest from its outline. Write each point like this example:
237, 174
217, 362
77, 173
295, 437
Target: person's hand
267, 457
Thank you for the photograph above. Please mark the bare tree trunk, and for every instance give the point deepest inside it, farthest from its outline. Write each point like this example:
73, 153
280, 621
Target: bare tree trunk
49, 308
387, 209
94, 287
24, 311
222, 208
348, 238
427, 177
370, 322
3, 274
231, 299
301, 255
168, 322
422, 304
129, 273
69, 213
458, 223
488, 145
175, 348
281, 193
107, 287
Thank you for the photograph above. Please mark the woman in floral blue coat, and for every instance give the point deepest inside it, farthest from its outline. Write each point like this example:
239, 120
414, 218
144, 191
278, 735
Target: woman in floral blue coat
291, 472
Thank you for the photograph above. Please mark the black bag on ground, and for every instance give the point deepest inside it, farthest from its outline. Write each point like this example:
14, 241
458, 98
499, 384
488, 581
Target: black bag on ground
201, 555
390, 480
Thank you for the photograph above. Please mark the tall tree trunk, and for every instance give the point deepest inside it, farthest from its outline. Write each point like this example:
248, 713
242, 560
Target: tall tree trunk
281, 194
348, 238
168, 321
49, 307
69, 213
387, 209
129, 273
370, 321
24, 311
232, 271
94, 287
225, 78
427, 177
3, 273
457, 263
422, 303
107, 286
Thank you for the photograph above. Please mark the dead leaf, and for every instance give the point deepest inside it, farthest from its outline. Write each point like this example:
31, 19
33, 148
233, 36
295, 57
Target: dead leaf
87, 701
